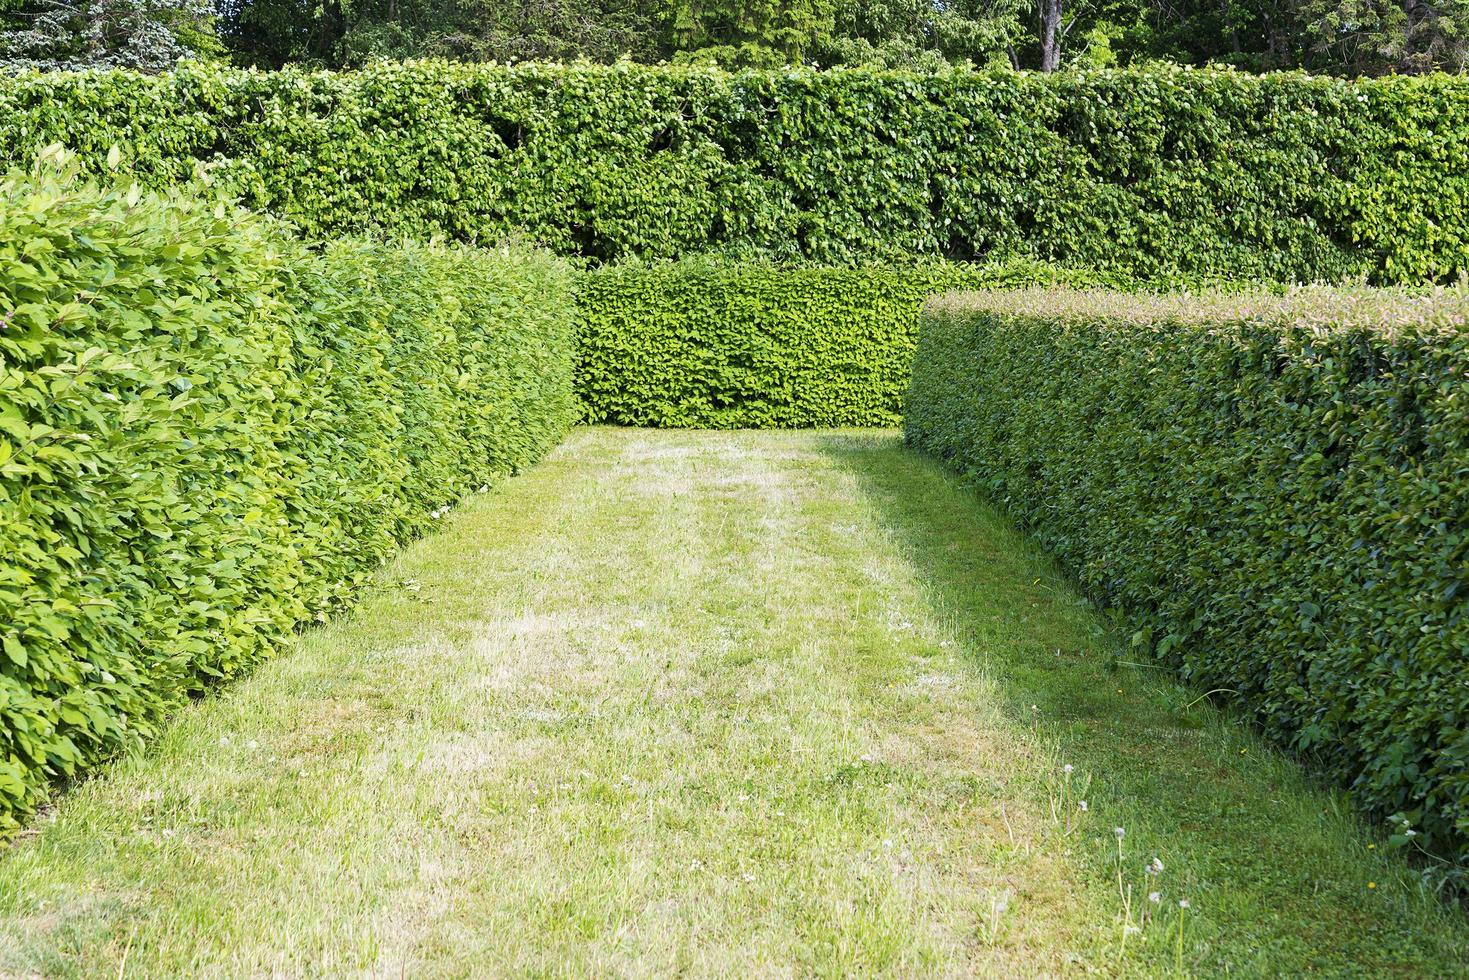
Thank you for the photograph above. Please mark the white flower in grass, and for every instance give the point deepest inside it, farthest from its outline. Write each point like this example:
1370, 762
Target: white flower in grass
1119, 832
1067, 769
1183, 903
1081, 805
1155, 897
1155, 866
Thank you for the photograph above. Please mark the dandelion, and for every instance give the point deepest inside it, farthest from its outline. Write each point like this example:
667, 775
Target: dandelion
224, 740
1067, 769
254, 744
1155, 897
1119, 832
1155, 867
1371, 884
1081, 805
1183, 903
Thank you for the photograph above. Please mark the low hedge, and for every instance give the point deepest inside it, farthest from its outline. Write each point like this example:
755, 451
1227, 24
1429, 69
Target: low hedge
1153, 172
1273, 491
209, 435
702, 344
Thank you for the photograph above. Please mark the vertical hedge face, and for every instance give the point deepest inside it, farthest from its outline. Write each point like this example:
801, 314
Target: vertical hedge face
1155, 173
209, 435
704, 345
1273, 493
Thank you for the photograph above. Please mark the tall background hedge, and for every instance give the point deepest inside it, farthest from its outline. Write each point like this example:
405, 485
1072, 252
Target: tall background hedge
1274, 492
209, 435
1154, 173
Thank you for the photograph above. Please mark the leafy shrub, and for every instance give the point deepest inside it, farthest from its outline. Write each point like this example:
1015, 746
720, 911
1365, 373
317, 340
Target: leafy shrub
1154, 172
209, 435
1272, 490
700, 344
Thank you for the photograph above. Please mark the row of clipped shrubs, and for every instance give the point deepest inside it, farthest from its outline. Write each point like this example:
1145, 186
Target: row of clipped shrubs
701, 344
1154, 172
210, 435
1272, 491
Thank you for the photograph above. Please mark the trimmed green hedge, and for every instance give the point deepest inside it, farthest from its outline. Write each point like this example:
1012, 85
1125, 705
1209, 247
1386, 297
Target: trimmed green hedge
700, 344
210, 435
1151, 172
1274, 492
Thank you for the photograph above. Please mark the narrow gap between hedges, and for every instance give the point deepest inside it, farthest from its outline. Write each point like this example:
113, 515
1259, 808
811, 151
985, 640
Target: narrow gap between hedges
775, 702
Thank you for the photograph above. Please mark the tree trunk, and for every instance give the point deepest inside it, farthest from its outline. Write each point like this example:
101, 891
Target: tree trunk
1050, 34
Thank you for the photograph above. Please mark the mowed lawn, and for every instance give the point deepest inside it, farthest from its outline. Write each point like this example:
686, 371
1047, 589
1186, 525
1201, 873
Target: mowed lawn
721, 704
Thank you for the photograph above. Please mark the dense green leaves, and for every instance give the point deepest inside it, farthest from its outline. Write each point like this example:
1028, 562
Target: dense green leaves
209, 435
1274, 492
703, 345
1155, 173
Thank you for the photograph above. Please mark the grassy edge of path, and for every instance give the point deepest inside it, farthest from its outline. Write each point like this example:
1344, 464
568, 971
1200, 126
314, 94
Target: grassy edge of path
704, 702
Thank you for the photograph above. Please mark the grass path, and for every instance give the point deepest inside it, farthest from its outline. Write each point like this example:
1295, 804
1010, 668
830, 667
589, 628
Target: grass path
751, 703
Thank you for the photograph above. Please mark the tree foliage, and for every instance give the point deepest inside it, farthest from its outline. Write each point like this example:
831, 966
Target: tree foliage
149, 35
1349, 37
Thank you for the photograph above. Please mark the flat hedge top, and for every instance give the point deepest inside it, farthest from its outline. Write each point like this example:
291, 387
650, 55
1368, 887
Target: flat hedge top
1388, 311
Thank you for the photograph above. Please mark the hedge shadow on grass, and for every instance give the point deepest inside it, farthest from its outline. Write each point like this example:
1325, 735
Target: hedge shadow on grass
1276, 867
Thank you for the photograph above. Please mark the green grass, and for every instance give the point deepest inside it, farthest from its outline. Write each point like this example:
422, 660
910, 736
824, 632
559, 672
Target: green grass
710, 703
